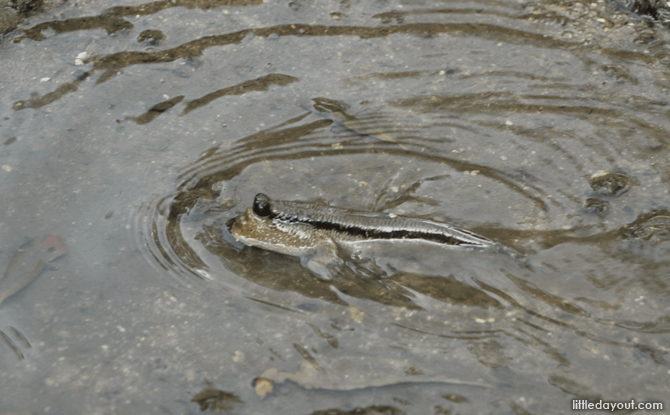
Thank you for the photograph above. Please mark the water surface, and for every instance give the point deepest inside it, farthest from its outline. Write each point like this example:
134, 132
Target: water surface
134, 131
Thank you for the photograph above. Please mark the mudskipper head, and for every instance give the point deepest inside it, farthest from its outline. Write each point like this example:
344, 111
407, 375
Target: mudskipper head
254, 221
247, 225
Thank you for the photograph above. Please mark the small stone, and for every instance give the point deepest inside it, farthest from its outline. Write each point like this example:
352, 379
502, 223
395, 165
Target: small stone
263, 386
596, 207
605, 183
150, 37
81, 57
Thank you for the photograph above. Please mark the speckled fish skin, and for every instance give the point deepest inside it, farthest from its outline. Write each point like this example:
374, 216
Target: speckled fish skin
317, 233
367, 225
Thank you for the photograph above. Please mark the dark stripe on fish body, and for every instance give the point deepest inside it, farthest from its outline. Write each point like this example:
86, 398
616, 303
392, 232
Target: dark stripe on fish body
371, 227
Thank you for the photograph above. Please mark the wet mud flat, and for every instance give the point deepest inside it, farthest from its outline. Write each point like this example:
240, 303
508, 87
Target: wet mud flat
132, 132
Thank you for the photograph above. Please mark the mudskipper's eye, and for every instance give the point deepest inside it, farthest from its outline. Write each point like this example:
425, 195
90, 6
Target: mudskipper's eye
262, 205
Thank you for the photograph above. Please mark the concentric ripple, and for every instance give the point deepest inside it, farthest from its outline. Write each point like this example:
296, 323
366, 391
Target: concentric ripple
316, 156
431, 292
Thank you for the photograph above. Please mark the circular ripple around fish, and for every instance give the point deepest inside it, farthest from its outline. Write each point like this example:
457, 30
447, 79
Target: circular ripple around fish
186, 235
410, 293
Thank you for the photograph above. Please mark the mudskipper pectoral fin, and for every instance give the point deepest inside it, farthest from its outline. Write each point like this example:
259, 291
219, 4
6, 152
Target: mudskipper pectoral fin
28, 263
324, 263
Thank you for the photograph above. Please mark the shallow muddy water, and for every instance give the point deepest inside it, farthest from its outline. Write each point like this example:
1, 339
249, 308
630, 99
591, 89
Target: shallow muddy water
133, 132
